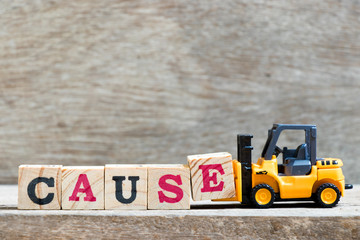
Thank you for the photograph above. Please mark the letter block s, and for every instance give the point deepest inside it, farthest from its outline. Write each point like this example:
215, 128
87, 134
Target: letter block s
168, 186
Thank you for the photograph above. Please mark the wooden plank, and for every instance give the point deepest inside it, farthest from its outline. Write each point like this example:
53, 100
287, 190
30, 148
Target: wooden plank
206, 220
82, 187
39, 187
125, 186
168, 186
212, 176
184, 225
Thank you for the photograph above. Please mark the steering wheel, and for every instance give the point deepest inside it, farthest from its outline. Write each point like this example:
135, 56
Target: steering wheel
277, 151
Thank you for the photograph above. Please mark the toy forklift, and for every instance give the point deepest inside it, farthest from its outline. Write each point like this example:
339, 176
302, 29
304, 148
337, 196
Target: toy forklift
300, 176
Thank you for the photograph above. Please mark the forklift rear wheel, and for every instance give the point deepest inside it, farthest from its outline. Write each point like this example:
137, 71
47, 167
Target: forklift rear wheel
327, 195
262, 196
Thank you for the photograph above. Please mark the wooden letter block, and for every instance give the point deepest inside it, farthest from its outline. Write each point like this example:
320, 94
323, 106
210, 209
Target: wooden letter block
82, 187
125, 186
212, 176
39, 187
168, 186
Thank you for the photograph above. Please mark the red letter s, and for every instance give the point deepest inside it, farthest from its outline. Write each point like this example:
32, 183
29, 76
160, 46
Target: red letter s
170, 188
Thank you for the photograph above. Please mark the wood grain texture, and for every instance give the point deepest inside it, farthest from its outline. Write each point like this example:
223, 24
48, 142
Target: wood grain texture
172, 181
27, 174
97, 82
212, 176
126, 170
179, 227
82, 187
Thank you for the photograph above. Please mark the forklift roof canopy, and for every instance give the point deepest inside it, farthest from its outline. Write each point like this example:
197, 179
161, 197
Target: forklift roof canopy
274, 133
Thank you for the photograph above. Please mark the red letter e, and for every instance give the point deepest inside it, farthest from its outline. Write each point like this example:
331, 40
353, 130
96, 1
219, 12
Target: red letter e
213, 178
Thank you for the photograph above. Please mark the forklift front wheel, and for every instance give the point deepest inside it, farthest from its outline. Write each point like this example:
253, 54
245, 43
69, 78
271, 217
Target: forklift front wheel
262, 196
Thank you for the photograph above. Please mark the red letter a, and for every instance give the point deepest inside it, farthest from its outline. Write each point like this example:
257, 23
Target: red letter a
86, 189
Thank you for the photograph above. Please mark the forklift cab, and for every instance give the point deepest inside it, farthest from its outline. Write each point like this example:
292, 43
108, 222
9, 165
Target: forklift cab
297, 161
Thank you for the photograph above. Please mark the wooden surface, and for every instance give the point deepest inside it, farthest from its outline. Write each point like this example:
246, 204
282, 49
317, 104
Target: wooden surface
98, 82
205, 220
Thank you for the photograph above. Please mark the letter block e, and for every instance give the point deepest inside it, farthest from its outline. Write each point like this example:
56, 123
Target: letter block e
212, 176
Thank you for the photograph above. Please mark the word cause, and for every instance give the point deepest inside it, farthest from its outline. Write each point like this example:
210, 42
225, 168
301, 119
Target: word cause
125, 186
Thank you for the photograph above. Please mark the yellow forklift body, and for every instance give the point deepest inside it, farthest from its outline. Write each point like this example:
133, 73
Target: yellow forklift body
290, 187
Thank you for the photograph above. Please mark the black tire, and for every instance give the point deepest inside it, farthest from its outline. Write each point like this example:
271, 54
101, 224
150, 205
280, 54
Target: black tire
268, 196
327, 195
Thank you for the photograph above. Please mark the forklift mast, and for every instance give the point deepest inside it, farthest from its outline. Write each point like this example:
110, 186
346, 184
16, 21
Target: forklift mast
244, 157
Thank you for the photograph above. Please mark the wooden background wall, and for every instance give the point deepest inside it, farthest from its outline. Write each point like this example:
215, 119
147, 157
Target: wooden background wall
95, 82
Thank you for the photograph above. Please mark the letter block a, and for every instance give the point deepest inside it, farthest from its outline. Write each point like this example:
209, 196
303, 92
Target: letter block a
39, 187
83, 187
212, 176
125, 186
168, 186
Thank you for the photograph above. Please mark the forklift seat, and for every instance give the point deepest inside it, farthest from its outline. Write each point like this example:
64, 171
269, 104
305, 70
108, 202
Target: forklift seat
300, 153
299, 164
